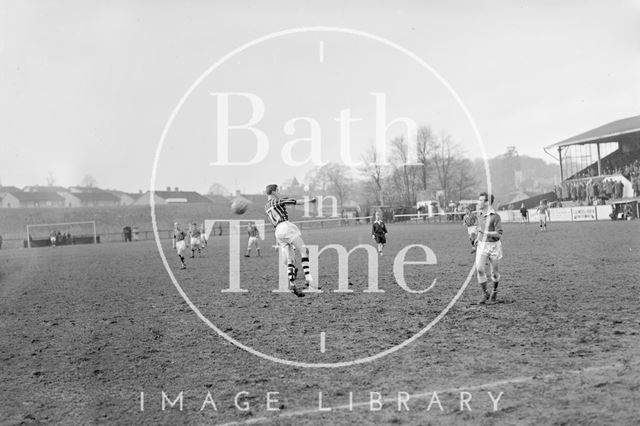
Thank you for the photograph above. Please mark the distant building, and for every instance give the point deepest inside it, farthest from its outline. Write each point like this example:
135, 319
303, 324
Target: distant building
172, 197
41, 188
32, 199
126, 199
96, 198
4, 190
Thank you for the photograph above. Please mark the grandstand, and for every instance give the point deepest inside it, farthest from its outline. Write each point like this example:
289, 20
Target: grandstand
600, 165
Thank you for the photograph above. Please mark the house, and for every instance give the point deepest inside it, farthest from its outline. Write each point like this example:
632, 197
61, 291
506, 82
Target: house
8, 190
41, 188
32, 199
97, 198
126, 199
172, 197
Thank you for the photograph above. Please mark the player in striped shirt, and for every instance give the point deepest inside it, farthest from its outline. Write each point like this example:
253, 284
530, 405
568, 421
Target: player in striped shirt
254, 236
470, 220
287, 234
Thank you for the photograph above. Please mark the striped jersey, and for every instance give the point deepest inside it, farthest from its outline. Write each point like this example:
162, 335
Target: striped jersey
276, 209
253, 231
470, 219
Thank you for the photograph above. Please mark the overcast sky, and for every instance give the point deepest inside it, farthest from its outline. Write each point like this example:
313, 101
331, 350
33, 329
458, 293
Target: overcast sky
87, 87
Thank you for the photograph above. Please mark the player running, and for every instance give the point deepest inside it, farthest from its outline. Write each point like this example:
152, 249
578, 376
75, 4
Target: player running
194, 239
254, 236
470, 220
287, 234
181, 244
379, 232
543, 215
524, 213
489, 246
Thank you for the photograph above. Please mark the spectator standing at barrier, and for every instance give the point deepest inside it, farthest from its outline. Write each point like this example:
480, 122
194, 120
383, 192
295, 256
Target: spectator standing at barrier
126, 234
619, 187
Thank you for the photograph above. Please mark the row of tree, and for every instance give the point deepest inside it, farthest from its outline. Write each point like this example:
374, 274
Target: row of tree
440, 167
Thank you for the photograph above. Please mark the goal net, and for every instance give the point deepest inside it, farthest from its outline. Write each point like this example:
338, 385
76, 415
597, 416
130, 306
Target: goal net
61, 234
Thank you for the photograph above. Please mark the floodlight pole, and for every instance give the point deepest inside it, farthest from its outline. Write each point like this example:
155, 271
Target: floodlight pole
560, 158
95, 235
599, 167
28, 239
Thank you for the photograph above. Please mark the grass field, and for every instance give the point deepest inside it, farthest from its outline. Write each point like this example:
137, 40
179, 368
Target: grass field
85, 329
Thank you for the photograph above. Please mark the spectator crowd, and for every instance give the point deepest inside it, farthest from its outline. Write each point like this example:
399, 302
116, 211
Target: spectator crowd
591, 189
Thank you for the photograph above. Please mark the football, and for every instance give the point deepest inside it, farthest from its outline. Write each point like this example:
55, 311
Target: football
239, 205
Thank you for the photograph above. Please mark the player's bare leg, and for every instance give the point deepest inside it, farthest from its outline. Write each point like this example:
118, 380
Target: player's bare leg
481, 269
495, 278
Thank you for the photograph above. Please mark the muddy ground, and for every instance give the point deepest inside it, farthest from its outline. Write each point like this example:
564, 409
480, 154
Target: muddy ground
85, 329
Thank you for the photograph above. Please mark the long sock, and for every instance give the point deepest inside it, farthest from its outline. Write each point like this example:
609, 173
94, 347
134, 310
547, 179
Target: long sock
305, 266
495, 285
484, 287
291, 271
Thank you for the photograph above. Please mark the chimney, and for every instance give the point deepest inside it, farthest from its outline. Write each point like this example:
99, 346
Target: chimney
168, 188
176, 189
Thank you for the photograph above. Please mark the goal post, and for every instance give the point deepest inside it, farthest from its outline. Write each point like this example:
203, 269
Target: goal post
64, 233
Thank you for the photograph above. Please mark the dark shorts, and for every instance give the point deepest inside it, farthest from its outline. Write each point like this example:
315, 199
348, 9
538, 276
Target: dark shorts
381, 239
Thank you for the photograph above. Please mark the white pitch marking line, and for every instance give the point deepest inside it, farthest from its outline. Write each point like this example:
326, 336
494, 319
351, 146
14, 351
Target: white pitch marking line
515, 380
322, 342
321, 51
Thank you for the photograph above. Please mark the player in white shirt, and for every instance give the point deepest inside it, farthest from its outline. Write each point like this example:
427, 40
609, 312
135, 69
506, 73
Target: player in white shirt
194, 239
543, 215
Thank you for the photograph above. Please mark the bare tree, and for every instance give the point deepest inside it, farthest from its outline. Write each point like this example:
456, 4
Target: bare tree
409, 173
463, 179
426, 146
336, 179
374, 171
445, 154
88, 181
51, 178
218, 189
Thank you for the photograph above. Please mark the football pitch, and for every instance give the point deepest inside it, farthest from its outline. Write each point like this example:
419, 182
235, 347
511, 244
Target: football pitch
97, 333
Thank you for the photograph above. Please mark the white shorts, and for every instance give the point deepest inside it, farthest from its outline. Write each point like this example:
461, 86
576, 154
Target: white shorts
181, 247
472, 230
492, 250
253, 243
195, 241
543, 219
286, 232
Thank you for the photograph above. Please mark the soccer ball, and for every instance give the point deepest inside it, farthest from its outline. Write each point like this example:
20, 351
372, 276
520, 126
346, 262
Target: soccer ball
239, 205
